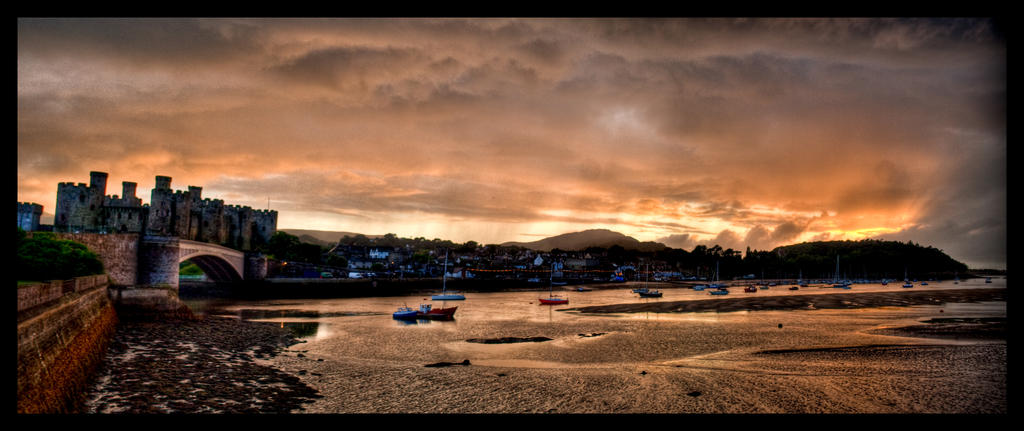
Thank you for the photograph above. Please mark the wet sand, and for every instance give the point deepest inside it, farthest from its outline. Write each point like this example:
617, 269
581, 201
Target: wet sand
851, 353
851, 359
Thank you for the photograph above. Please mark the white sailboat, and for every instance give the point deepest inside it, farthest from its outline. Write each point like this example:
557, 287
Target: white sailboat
552, 299
444, 295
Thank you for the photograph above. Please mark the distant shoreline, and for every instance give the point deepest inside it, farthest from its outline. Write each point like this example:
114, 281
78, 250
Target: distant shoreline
805, 302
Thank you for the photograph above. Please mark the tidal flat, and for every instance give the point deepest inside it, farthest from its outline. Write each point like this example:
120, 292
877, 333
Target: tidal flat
853, 359
944, 352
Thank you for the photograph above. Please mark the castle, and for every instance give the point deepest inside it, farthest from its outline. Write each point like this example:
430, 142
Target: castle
173, 213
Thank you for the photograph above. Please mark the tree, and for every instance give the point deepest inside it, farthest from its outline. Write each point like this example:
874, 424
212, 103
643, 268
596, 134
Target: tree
44, 257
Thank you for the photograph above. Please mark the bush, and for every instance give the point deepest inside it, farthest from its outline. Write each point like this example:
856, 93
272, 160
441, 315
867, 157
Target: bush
44, 257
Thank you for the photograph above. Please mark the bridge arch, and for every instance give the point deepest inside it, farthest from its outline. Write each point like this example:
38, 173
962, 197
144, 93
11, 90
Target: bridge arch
219, 263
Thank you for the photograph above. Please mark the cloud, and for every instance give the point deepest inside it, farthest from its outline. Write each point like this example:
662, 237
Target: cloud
682, 241
662, 127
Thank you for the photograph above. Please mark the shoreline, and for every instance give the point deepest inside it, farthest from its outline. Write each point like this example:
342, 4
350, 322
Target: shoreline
804, 302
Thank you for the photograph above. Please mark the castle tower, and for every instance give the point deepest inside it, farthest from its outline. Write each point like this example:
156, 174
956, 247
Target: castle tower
79, 207
163, 183
161, 208
98, 180
28, 216
128, 190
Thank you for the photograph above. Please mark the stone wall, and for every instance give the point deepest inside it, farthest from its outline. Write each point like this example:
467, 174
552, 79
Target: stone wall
61, 341
112, 250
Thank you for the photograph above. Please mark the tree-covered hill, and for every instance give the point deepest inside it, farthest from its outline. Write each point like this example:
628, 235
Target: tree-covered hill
857, 259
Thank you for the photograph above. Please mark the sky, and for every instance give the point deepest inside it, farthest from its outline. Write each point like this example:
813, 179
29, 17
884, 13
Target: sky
738, 132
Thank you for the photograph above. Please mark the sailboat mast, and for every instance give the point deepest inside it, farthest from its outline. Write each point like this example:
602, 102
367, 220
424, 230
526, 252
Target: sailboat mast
444, 273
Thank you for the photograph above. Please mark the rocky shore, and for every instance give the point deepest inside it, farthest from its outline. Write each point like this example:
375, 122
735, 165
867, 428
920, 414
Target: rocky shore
198, 365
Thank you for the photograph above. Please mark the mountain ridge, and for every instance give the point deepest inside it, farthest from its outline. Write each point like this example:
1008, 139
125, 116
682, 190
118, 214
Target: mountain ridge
588, 238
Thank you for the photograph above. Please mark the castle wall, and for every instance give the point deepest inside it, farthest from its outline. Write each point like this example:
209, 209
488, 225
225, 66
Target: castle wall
112, 250
172, 213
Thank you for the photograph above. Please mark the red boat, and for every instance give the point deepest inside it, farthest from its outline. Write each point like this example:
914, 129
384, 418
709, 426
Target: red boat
750, 289
553, 300
427, 312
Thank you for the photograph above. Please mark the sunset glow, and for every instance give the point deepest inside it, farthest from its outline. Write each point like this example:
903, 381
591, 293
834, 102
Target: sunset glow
743, 133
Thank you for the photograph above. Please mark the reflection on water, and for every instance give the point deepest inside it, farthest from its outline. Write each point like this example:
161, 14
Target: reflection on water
302, 329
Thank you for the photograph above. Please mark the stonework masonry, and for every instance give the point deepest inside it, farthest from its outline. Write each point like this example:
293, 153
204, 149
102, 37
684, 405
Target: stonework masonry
173, 213
117, 252
28, 216
64, 328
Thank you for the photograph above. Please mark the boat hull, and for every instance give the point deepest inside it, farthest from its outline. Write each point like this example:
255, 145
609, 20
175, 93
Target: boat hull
553, 301
437, 313
405, 315
447, 297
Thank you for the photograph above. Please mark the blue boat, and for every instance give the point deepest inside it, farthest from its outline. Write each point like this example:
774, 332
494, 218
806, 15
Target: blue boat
719, 292
700, 287
650, 294
405, 313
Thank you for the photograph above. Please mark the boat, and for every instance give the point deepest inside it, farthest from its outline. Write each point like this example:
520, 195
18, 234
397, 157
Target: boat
905, 282
552, 299
750, 289
721, 291
644, 291
956, 278
583, 289
444, 295
716, 284
426, 311
404, 313
700, 287
836, 282
924, 283
988, 279
794, 288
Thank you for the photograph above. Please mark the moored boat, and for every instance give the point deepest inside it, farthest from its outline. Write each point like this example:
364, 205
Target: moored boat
719, 292
427, 311
552, 299
750, 289
404, 312
445, 295
794, 288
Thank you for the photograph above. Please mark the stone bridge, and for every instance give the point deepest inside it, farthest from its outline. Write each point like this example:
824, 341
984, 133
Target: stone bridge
141, 261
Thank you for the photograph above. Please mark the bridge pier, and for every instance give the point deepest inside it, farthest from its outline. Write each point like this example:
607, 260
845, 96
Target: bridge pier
158, 261
157, 284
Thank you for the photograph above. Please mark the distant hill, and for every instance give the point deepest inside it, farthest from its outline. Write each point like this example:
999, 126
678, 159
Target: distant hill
322, 237
589, 238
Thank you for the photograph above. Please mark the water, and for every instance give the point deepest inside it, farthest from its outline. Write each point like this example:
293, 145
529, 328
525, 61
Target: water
362, 360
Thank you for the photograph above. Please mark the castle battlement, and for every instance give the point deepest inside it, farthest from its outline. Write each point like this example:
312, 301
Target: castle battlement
181, 213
